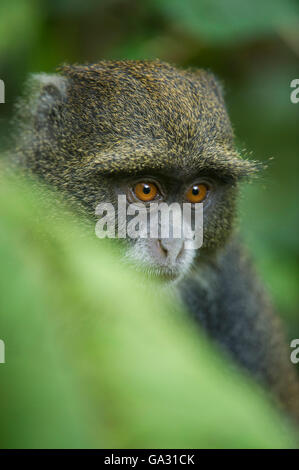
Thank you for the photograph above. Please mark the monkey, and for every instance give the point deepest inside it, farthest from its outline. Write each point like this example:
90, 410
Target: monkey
152, 131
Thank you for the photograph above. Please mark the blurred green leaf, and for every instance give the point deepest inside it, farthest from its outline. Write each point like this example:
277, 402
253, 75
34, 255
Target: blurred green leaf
217, 21
19, 24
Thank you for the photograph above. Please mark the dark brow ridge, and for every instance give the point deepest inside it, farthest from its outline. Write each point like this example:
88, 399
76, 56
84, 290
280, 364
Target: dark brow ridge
230, 168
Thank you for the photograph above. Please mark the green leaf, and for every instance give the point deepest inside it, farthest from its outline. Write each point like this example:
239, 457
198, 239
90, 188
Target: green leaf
217, 21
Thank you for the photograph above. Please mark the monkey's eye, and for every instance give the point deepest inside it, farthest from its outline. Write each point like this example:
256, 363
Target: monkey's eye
146, 191
197, 193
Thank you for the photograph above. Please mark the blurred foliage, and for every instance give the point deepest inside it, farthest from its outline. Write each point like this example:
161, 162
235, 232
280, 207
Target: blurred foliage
218, 21
95, 359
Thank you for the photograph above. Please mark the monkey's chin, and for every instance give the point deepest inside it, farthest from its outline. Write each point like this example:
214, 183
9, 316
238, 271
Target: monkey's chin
157, 271
163, 273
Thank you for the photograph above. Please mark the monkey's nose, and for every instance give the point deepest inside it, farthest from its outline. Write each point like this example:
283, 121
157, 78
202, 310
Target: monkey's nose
171, 248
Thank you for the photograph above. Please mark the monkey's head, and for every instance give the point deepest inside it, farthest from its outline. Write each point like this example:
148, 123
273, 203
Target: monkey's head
143, 129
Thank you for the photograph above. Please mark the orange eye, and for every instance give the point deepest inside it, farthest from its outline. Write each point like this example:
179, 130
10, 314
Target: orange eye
197, 193
145, 191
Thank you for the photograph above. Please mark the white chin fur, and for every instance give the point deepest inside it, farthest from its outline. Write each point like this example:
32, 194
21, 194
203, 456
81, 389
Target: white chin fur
140, 256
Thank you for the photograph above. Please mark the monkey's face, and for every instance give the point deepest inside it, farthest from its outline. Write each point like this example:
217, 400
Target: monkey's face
167, 247
166, 244
146, 131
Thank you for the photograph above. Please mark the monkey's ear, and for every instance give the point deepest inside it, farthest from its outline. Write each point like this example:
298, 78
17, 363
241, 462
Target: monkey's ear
46, 96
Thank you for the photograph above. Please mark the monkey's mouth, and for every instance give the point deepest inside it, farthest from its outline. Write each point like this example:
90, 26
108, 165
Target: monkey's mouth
155, 266
163, 273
